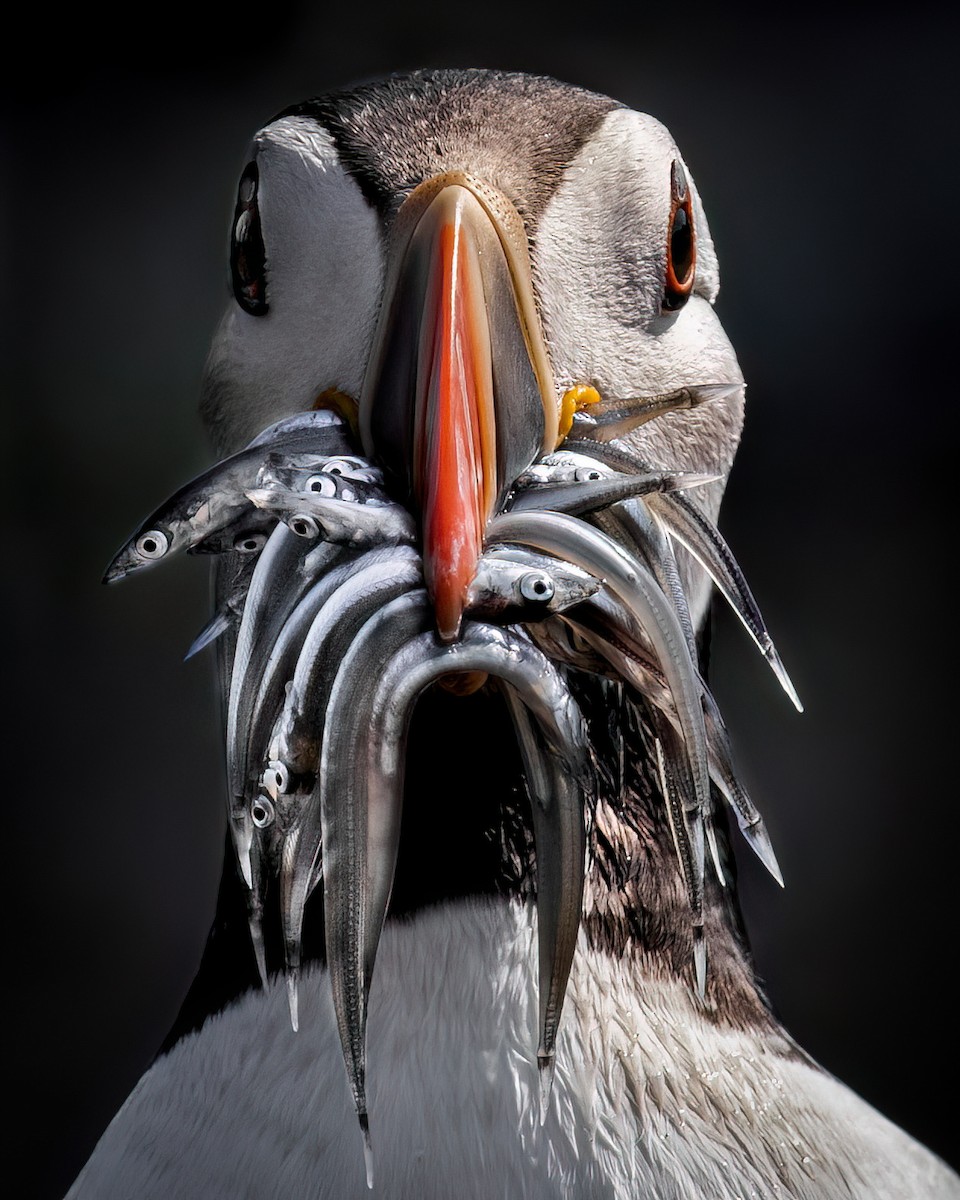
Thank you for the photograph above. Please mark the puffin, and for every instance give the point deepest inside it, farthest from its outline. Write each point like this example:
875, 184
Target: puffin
489, 298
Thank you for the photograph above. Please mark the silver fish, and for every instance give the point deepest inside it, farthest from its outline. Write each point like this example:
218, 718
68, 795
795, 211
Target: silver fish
362, 788
552, 737
722, 771
299, 472
369, 586
686, 524
340, 786
607, 631
346, 511
285, 796
264, 611
246, 534
291, 642
315, 426
635, 523
212, 500
301, 725
634, 586
684, 817
582, 489
520, 586
239, 562
613, 418
557, 808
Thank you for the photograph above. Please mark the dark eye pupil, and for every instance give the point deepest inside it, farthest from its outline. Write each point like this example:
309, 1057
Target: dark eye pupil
149, 545
681, 245
248, 255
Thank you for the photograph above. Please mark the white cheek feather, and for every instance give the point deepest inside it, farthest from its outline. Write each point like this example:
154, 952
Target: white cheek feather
324, 280
650, 1099
599, 277
599, 269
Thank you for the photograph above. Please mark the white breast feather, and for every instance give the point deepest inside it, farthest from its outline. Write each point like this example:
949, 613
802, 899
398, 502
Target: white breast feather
650, 1100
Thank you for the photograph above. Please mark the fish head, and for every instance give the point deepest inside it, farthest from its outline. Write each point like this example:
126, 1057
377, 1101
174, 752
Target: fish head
153, 542
513, 585
300, 472
565, 466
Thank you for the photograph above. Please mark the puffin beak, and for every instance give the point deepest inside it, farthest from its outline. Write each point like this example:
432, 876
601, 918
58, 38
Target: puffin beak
458, 398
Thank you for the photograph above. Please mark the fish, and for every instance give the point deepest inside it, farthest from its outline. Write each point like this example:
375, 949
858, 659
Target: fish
299, 472
688, 525
515, 585
578, 485
264, 612
248, 538
345, 511
362, 790
615, 418
300, 725
216, 498
287, 795
631, 582
607, 631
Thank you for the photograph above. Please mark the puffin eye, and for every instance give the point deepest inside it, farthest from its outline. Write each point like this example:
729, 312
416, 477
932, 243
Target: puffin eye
248, 256
262, 812
681, 243
153, 544
536, 585
321, 485
249, 543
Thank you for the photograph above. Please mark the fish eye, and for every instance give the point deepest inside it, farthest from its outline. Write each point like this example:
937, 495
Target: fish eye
304, 526
582, 474
248, 255
340, 466
681, 243
153, 544
262, 812
249, 543
277, 776
322, 485
536, 585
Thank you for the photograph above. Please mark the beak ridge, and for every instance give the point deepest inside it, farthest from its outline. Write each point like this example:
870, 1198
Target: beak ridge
459, 397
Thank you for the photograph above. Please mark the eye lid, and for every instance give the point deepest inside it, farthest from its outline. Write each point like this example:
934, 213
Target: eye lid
248, 255
681, 246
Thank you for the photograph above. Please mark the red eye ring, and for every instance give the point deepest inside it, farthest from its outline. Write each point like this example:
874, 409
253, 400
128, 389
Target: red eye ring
681, 243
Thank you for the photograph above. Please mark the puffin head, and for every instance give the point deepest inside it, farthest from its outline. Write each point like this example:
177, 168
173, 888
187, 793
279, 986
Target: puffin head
464, 259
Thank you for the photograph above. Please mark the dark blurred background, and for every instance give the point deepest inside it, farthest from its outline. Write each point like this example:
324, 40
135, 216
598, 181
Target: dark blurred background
821, 144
